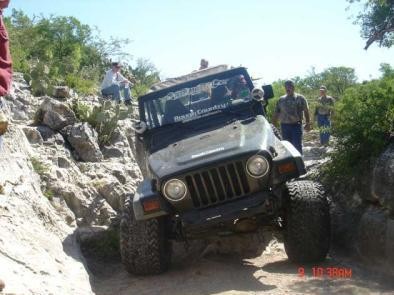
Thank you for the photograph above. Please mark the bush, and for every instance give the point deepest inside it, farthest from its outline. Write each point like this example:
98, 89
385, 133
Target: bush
364, 121
39, 167
104, 117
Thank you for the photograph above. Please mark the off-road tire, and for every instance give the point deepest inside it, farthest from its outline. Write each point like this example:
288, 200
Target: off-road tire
307, 222
276, 132
144, 246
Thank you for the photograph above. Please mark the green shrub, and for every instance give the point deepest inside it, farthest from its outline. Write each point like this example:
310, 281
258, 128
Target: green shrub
49, 194
103, 118
39, 167
364, 120
81, 85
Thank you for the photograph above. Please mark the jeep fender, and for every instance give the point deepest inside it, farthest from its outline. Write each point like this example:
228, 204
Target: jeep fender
146, 193
286, 154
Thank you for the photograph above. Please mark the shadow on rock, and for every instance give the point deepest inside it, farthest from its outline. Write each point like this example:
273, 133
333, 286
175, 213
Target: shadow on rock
72, 248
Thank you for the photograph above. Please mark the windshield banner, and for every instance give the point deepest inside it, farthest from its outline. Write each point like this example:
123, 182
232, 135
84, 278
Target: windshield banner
200, 113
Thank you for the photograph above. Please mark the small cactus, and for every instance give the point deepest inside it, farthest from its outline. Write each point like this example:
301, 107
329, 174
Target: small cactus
103, 118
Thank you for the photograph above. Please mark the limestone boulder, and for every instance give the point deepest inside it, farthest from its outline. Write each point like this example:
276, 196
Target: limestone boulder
56, 115
33, 135
371, 235
111, 190
83, 139
111, 152
50, 136
382, 186
61, 92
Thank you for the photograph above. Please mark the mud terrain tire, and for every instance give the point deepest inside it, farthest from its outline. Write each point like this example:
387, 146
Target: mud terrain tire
307, 222
144, 247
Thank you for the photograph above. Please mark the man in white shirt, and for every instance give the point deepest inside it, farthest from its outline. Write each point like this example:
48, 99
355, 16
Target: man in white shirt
114, 83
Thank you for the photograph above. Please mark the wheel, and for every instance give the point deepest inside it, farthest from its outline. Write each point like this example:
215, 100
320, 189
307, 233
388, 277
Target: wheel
276, 132
307, 222
144, 246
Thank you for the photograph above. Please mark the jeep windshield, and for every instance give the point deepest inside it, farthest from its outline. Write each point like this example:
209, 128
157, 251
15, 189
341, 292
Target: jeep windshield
198, 100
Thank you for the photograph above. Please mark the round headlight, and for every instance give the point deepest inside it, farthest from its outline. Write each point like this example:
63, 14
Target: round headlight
257, 166
174, 190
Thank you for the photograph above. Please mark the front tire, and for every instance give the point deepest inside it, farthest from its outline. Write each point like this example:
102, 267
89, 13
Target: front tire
307, 221
144, 246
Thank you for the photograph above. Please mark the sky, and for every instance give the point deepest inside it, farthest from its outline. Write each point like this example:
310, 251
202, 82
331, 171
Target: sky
273, 39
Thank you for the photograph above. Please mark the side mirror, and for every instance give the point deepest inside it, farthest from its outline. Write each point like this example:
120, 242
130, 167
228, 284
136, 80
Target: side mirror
268, 91
139, 127
258, 94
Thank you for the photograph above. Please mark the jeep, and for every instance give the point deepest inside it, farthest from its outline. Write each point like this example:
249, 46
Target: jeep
212, 163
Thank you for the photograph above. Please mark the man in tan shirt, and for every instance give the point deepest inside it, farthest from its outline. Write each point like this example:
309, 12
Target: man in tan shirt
324, 110
290, 110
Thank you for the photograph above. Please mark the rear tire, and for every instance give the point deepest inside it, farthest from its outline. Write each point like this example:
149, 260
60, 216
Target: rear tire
144, 246
307, 222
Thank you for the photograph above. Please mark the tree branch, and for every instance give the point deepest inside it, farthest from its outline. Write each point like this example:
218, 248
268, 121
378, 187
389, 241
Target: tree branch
378, 36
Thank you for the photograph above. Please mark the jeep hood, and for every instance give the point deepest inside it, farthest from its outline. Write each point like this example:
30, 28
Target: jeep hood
196, 150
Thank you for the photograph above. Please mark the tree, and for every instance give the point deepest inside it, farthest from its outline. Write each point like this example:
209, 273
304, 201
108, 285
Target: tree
145, 74
338, 79
377, 22
60, 51
387, 70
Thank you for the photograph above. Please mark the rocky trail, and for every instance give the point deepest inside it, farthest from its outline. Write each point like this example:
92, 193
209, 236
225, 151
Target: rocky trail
207, 268
61, 194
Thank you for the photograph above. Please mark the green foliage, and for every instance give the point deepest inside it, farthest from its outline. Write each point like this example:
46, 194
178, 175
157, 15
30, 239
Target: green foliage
387, 70
39, 167
364, 120
377, 22
49, 194
145, 74
55, 51
279, 90
103, 118
336, 79
60, 50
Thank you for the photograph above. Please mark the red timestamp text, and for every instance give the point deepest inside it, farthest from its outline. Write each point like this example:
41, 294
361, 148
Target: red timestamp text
326, 272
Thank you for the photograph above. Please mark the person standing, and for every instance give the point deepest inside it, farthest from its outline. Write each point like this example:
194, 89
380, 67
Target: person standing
5, 68
324, 110
5, 78
290, 110
114, 83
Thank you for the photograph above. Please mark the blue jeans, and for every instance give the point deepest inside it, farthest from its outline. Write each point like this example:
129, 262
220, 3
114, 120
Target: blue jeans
293, 134
323, 121
115, 91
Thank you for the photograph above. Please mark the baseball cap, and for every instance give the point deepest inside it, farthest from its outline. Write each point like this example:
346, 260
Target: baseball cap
289, 82
323, 88
117, 64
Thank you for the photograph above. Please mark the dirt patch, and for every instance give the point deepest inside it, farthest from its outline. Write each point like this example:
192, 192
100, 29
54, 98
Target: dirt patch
205, 268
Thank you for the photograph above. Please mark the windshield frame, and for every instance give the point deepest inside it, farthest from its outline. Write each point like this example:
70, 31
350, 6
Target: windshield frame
145, 99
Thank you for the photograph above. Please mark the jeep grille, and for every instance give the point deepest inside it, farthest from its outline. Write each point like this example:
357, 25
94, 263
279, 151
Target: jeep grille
218, 184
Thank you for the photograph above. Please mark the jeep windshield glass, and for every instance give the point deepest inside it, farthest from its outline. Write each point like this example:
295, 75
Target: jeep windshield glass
197, 101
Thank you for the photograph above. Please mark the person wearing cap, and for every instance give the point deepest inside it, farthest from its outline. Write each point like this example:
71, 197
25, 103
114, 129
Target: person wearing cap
114, 83
290, 110
323, 112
